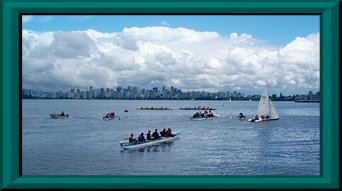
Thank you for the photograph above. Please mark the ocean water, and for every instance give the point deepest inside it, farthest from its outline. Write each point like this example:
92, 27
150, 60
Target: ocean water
85, 144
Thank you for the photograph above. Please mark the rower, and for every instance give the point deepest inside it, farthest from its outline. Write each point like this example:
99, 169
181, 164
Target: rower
131, 139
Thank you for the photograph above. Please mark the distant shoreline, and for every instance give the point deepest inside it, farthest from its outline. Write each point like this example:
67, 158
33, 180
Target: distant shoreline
308, 101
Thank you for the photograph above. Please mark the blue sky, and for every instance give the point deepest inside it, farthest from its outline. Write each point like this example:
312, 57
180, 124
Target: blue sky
210, 53
275, 30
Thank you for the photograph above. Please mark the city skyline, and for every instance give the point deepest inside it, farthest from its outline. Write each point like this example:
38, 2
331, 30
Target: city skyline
156, 93
209, 53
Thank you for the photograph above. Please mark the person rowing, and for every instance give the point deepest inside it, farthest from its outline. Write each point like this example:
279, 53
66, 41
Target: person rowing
141, 138
131, 139
168, 133
148, 136
241, 116
163, 133
155, 134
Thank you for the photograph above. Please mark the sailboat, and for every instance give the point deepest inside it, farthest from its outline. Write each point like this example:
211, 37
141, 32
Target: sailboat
230, 99
266, 110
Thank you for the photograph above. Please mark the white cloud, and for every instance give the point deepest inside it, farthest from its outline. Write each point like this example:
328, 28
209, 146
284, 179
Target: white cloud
302, 50
156, 56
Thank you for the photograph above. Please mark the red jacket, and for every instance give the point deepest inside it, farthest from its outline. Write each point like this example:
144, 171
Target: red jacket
131, 139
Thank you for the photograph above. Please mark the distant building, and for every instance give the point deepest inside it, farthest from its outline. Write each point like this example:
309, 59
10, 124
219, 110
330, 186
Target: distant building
91, 93
119, 89
71, 94
102, 94
78, 94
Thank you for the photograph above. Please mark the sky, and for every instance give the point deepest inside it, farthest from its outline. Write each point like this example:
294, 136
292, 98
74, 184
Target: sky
197, 52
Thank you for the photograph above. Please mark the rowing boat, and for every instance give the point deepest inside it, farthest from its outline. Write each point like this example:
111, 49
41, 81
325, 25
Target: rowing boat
125, 144
202, 118
154, 108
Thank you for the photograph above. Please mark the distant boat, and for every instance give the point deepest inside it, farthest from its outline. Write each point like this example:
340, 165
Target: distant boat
154, 108
230, 100
54, 115
204, 116
266, 110
111, 116
197, 108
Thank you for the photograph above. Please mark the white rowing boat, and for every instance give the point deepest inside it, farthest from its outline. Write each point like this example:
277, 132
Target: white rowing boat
125, 144
202, 118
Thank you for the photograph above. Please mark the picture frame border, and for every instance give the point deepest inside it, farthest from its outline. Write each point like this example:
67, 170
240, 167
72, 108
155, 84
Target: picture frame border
10, 130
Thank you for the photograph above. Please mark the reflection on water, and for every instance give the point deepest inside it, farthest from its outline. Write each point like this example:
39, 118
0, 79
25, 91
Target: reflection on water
162, 147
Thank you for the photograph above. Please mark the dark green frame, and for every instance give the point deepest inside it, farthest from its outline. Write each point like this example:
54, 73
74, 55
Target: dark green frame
10, 84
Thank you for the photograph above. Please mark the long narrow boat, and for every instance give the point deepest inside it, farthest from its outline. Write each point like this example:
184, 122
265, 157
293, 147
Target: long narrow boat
125, 144
154, 108
196, 108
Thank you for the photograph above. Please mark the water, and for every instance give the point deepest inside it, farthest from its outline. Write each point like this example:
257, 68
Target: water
85, 144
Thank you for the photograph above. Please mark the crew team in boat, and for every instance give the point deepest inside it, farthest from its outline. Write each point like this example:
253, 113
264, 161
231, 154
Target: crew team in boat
205, 114
197, 108
155, 135
109, 115
154, 108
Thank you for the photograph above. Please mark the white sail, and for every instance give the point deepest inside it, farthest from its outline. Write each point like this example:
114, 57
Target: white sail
266, 110
274, 114
264, 105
